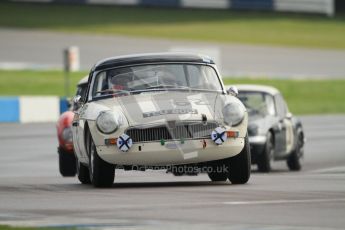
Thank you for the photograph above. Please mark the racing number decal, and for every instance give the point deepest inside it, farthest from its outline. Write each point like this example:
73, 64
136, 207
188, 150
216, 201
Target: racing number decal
124, 142
186, 103
181, 103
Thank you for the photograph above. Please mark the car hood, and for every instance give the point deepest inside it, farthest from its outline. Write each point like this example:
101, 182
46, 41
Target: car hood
160, 107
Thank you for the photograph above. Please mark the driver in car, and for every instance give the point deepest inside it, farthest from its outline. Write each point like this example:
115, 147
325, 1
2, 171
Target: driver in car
120, 80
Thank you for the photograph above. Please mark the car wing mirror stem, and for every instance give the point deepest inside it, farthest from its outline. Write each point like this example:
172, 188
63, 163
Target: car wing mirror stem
289, 115
232, 91
77, 101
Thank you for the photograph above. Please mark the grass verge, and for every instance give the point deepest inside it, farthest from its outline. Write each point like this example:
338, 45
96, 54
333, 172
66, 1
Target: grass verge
5, 227
302, 96
29, 82
306, 96
205, 25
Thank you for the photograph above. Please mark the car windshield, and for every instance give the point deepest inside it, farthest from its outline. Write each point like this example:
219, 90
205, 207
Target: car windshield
257, 103
157, 77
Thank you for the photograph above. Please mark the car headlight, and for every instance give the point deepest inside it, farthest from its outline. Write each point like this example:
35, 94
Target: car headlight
67, 134
107, 122
233, 113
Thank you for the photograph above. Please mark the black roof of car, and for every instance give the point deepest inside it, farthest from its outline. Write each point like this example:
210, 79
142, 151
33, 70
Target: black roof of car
138, 59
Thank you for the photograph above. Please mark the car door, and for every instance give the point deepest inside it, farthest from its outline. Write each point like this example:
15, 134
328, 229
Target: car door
78, 123
80, 131
284, 129
75, 133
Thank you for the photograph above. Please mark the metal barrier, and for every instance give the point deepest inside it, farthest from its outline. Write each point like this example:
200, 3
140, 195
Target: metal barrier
327, 7
25, 109
306, 6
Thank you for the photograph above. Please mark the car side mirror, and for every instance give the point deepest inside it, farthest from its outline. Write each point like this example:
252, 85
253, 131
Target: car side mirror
232, 91
77, 99
289, 115
77, 102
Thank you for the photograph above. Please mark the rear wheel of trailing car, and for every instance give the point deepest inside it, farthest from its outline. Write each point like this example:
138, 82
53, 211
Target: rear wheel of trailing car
101, 173
83, 173
293, 160
218, 170
239, 165
265, 158
67, 163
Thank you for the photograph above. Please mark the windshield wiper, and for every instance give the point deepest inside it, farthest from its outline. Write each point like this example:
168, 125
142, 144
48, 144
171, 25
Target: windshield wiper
113, 91
162, 86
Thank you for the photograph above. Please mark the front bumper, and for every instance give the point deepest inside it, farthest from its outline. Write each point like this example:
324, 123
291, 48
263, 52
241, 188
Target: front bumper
172, 152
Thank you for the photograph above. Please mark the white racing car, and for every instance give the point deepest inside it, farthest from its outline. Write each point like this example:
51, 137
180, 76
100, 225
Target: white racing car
160, 111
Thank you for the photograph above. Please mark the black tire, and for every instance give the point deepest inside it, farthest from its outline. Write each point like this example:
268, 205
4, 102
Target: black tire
192, 173
239, 165
293, 161
177, 170
178, 174
102, 173
219, 170
265, 158
183, 170
83, 173
67, 163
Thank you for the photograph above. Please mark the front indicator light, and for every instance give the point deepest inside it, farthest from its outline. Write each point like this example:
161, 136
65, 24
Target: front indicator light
110, 141
232, 134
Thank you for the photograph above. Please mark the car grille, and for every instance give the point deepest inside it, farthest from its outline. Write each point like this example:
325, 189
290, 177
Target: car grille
179, 131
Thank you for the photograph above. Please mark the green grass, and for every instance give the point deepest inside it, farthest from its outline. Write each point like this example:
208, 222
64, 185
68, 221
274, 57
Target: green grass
5, 227
205, 25
302, 96
36, 82
306, 96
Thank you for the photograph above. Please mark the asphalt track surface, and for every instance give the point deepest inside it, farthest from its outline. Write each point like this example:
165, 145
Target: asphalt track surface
32, 193
40, 49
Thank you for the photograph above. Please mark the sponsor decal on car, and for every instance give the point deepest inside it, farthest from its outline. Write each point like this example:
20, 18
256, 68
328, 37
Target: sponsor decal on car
169, 111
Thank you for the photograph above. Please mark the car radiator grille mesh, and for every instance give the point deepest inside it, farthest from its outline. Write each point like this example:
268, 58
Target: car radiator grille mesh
179, 131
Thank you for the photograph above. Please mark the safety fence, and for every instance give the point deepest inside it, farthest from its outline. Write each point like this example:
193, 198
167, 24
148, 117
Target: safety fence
327, 7
25, 109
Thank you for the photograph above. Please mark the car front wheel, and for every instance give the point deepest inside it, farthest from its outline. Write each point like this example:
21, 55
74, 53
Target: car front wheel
265, 158
239, 165
67, 163
101, 173
293, 160
83, 173
218, 170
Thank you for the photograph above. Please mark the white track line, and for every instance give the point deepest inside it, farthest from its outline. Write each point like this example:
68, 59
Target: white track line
340, 169
258, 202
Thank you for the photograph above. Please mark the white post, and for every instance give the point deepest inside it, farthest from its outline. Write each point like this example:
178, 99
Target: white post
330, 8
71, 64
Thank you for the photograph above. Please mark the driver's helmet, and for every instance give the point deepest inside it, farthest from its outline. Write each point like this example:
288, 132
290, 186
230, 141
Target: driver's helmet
120, 78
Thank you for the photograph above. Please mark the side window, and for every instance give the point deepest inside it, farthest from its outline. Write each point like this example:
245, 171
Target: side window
83, 89
78, 91
281, 106
100, 84
202, 77
271, 110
